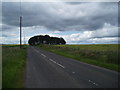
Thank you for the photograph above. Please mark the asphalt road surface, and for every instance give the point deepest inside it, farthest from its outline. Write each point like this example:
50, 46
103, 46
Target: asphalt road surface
48, 70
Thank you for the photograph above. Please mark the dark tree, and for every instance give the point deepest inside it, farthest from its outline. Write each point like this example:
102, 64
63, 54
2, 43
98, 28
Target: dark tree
40, 39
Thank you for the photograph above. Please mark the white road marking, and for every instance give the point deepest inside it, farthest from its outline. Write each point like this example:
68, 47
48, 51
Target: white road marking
93, 82
73, 72
49, 59
60, 65
57, 63
40, 53
37, 51
52, 60
43, 55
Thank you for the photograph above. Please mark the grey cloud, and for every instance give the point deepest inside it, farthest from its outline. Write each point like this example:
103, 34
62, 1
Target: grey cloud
10, 34
8, 27
4, 35
10, 13
103, 40
83, 16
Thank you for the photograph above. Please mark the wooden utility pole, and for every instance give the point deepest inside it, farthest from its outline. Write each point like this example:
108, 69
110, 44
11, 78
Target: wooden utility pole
20, 30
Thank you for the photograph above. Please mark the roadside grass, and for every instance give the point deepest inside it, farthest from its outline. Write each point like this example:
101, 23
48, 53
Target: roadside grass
14, 45
13, 65
103, 55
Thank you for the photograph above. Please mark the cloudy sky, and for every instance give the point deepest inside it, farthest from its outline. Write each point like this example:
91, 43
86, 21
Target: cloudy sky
76, 22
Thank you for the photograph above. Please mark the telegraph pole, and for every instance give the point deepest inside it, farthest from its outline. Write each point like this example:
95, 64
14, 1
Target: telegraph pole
20, 30
20, 26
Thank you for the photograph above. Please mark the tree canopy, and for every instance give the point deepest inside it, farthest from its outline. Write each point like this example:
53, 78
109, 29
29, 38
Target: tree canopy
40, 39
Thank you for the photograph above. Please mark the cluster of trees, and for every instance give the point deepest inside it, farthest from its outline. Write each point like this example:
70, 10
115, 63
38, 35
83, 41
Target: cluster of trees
40, 39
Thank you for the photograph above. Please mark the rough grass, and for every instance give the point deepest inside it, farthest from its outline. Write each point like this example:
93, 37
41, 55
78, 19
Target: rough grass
104, 55
13, 64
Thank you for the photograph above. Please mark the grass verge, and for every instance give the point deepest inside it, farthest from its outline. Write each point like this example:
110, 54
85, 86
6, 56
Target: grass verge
101, 55
13, 65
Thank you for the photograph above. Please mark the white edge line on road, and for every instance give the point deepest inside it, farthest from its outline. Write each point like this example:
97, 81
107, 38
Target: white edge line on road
57, 63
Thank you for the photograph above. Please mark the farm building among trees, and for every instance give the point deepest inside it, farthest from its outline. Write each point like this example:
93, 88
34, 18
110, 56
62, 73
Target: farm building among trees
40, 39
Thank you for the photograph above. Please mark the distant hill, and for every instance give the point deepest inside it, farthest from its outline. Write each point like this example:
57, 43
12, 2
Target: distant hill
40, 39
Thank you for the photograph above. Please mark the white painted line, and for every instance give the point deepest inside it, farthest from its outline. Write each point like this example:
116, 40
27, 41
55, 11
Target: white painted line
93, 82
52, 60
43, 55
96, 84
57, 63
40, 53
36, 50
60, 65
73, 72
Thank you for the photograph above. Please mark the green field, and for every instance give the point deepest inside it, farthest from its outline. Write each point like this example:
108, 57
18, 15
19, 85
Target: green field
104, 55
13, 66
14, 58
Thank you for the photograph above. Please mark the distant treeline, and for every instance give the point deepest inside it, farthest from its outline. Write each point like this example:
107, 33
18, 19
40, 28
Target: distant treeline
40, 39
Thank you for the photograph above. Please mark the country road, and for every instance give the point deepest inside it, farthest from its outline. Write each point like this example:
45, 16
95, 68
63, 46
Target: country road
48, 70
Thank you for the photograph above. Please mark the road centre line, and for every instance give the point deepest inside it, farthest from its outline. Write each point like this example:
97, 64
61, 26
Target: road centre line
60, 65
43, 55
37, 51
73, 72
57, 63
50, 59
93, 82
40, 53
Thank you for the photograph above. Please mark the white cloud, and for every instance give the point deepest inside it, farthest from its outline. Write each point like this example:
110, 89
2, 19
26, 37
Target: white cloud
108, 34
96, 22
106, 40
107, 31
